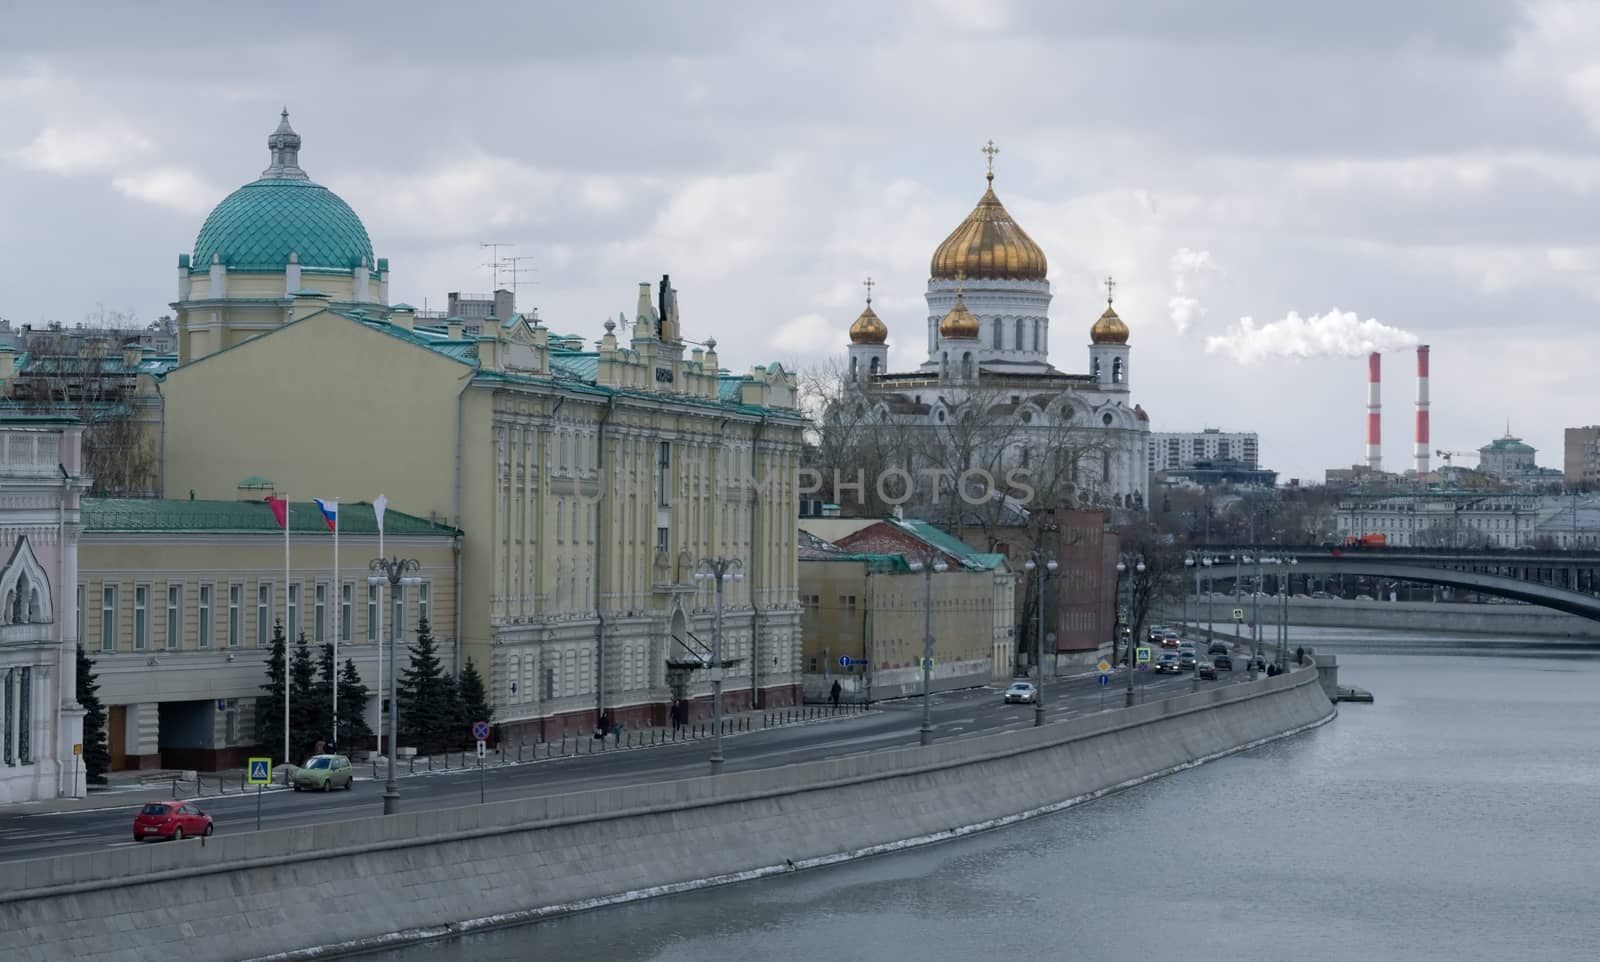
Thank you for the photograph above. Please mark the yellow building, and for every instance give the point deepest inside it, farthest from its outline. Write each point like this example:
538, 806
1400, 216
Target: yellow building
177, 601
866, 615
588, 479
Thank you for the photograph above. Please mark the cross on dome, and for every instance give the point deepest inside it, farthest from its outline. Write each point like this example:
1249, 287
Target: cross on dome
869, 284
991, 150
1111, 287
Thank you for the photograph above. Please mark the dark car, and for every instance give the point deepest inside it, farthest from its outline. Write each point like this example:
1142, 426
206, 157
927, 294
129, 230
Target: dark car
1187, 661
1217, 648
1222, 662
170, 819
1261, 663
1208, 670
1168, 663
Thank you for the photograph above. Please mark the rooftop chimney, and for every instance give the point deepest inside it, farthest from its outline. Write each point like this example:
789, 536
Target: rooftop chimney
1374, 412
1420, 450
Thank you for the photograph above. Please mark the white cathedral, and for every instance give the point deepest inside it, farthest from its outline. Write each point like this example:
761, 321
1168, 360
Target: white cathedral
988, 335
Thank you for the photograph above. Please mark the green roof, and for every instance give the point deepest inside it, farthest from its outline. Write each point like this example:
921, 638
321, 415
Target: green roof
167, 514
256, 227
948, 543
874, 562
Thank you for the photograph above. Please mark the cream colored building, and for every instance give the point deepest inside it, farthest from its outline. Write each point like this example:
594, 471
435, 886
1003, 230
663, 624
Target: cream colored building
869, 607
588, 478
179, 599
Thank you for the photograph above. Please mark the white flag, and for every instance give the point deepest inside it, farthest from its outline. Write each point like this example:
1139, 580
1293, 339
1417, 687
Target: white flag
379, 504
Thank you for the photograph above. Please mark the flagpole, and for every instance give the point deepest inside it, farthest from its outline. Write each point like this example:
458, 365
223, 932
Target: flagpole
377, 514
287, 628
338, 588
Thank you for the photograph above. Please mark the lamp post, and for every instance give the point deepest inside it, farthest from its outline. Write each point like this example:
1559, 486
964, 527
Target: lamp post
1198, 561
1284, 583
394, 573
717, 570
927, 566
1045, 565
1133, 566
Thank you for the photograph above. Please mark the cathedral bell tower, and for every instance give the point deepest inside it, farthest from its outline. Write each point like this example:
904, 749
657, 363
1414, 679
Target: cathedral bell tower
1108, 347
869, 350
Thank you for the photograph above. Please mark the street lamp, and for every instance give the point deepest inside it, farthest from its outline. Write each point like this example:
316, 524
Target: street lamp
1198, 561
1041, 562
927, 567
394, 573
1135, 564
1283, 618
717, 570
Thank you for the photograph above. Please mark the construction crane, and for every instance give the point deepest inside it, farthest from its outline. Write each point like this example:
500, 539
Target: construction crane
1445, 456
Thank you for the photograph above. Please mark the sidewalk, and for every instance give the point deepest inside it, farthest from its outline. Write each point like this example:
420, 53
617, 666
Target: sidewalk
127, 788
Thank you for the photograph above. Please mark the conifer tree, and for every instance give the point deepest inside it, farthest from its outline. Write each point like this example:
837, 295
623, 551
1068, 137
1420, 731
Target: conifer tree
323, 696
474, 699
96, 754
303, 711
427, 697
269, 707
354, 732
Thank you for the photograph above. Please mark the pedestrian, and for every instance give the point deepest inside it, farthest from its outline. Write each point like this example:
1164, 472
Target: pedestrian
602, 726
1300, 655
834, 693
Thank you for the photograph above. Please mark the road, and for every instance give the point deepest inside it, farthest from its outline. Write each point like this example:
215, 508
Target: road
891, 724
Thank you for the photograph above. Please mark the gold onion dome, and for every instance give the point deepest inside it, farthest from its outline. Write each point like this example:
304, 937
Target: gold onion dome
869, 328
1109, 329
959, 324
989, 245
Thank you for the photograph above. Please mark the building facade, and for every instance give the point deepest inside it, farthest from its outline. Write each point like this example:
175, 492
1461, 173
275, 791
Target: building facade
1581, 465
180, 599
588, 479
988, 374
1169, 450
1466, 519
41, 722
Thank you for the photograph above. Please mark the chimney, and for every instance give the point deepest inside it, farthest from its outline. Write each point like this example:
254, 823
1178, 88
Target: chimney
1420, 450
1374, 412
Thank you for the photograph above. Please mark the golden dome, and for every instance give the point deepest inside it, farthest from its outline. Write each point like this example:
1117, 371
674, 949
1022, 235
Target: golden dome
989, 244
959, 324
868, 328
1109, 329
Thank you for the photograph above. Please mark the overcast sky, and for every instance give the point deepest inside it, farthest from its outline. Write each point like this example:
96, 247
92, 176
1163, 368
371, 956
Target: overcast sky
1341, 175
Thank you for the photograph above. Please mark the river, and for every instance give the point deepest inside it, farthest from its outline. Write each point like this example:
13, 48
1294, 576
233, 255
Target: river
1457, 818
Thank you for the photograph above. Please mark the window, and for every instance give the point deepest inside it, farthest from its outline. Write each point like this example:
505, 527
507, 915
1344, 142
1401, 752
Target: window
292, 629
231, 722
372, 612
141, 617
235, 600
319, 613
1116, 371
263, 614
5, 710
424, 602
1035, 335
108, 618
663, 539
347, 613
663, 472
1019, 333
174, 615
999, 331
397, 608
203, 637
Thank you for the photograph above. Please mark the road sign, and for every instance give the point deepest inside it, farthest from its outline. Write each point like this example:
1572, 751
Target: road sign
77, 748
1105, 680
1104, 665
260, 772
1122, 615
925, 663
845, 661
480, 730
483, 748
1142, 654
1238, 614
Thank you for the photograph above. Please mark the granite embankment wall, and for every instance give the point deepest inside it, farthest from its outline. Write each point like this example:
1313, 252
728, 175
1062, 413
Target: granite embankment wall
342, 887
1414, 616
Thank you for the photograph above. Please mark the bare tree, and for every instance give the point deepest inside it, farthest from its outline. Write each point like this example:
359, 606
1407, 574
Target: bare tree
86, 380
1159, 584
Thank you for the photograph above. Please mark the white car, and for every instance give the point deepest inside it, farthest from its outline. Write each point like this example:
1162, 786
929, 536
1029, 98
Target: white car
1022, 692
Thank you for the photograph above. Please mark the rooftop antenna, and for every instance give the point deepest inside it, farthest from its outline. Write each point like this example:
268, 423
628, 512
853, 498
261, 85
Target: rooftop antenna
514, 268
494, 260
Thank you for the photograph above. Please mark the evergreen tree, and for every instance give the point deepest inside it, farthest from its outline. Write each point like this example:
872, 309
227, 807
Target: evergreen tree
269, 707
427, 702
354, 732
323, 696
96, 754
303, 711
473, 698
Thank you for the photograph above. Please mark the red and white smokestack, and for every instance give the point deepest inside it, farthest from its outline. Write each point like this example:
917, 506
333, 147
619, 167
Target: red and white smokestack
1420, 451
1374, 412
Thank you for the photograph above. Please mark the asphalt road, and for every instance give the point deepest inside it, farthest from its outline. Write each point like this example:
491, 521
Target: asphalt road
891, 724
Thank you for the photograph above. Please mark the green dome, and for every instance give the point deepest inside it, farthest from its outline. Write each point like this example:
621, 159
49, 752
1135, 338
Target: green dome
257, 226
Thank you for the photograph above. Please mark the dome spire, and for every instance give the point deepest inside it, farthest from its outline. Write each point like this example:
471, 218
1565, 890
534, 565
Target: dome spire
284, 144
989, 245
869, 328
1109, 329
991, 150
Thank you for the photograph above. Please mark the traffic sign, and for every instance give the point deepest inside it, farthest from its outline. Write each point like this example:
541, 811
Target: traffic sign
480, 730
483, 748
1104, 665
1238, 614
1142, 654
1105, 680
1122, 615
260, 772
77, 748
845, 661
925, 663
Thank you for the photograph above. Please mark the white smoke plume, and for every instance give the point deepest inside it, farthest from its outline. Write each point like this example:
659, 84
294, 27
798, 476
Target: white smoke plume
1184, 308
1334, 334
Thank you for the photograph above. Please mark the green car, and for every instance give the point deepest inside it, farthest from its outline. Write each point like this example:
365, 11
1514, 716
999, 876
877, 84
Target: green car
324, 773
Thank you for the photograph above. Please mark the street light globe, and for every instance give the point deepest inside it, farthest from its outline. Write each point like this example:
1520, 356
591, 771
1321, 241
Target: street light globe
1029, 565
1051, 566
940, 567
915, 566
1122, 567
1188, 562
1140, 567
1207, 562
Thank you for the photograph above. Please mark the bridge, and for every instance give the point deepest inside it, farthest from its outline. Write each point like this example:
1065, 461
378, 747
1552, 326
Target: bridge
1567, 581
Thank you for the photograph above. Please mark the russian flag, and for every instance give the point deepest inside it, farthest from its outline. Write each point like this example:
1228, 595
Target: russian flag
330, 512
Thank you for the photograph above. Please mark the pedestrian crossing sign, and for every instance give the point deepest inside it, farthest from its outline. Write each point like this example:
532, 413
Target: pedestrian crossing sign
1238, 614
260, 772
1142, 654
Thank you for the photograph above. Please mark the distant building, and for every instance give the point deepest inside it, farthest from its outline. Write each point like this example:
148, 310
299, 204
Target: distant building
1473, 519
1507, 458
1581, 466
1211, 474
1169, 450
472, 310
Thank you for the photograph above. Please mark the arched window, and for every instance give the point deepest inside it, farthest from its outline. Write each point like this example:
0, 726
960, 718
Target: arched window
1036, 334
852, 369
1116, 371
966, 366
944, 364
1094, 367
999, 326
874, 369
1019, 333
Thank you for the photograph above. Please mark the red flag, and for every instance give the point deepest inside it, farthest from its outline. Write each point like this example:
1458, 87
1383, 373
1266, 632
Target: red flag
280, 510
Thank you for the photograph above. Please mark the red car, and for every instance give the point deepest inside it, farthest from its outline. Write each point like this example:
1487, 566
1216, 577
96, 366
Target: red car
170, 820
